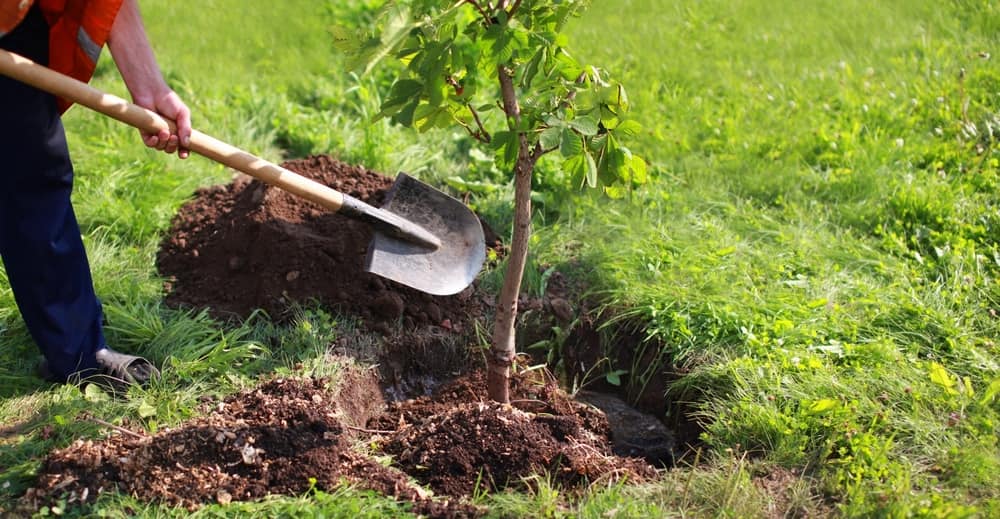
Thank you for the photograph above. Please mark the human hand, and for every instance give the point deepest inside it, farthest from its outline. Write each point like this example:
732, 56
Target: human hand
170, 106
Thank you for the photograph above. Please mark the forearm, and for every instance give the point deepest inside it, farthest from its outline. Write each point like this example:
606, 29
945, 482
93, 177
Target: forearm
134, 57
135, 60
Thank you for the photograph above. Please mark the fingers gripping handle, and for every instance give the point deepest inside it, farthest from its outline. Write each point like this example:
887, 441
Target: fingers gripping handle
42, 78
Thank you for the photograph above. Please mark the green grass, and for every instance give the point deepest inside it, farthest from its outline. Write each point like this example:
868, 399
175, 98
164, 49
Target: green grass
818, 255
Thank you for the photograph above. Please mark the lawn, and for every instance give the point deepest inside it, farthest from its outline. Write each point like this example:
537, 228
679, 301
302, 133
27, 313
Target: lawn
810, 279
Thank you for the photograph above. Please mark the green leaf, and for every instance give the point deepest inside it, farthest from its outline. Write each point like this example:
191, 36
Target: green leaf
582, 168
615, 377
609, 116
505, 142
397, 26
146, 409
531, 69
567, 67
629, 128
940, 376
614, 97
550, 137
500, 139
586, 125
501, 43
637, 170
611, 162
405, 88
616, 159
439, 118
616, 192
519, 35
570, 143
405, 116
428, 116
597, 142
822, 406
93, 393
622, 97
991, 392
472, 186
344, 39
403, 92
585, 100
436, 89
576, 166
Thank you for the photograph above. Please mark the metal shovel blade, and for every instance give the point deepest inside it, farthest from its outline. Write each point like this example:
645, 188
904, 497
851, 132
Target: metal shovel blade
443, 271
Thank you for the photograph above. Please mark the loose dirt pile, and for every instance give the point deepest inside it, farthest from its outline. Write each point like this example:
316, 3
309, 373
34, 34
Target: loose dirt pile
457, 442
289, 435
281, 438
246, 245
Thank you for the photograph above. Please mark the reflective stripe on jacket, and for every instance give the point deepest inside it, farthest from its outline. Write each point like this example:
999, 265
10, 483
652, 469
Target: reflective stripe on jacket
78, 30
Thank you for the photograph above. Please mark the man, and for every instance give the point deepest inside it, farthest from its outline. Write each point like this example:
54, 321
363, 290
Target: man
40, 241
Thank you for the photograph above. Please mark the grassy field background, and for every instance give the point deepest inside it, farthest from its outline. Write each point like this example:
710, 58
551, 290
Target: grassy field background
816, 262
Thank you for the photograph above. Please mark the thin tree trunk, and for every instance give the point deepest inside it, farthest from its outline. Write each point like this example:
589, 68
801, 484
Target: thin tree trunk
502, 353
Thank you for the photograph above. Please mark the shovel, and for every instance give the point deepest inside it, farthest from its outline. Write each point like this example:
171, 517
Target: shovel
424, 238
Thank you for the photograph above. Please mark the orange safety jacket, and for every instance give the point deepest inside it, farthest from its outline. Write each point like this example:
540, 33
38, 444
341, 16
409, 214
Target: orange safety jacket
78, 30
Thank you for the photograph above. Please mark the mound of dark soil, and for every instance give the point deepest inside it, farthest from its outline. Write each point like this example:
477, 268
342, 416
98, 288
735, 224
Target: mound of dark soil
280, 438
457, 442
288, 435
246, 245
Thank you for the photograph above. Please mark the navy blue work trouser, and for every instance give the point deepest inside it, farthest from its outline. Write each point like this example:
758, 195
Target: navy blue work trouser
40, 240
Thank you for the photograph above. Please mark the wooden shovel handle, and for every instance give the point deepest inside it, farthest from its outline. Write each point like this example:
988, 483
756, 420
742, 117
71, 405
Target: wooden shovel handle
48, 80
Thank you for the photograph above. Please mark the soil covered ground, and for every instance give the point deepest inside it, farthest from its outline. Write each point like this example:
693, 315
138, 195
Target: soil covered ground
289, 435
245, 246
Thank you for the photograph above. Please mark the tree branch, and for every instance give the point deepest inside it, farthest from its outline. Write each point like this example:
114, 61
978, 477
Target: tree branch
509, 97
472, 133
486, 16
513, 9
486, 137
481, 134
513, 111
539, 151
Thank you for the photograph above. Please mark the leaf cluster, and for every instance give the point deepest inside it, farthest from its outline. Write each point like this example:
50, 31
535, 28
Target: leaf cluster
454, 55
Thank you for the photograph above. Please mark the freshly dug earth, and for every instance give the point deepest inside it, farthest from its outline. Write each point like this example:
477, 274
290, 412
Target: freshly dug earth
287, 434
244, 246
457, 442
277, 439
